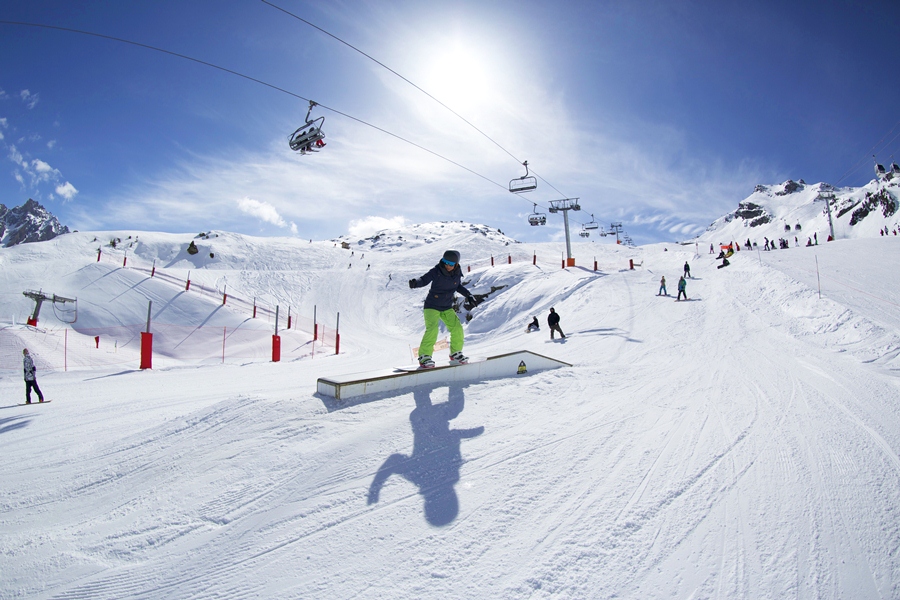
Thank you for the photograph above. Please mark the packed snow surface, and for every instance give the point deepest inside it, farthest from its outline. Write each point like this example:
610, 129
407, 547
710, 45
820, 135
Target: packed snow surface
743, 443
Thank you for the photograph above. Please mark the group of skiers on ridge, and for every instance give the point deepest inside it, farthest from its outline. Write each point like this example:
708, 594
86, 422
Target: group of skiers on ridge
445, 279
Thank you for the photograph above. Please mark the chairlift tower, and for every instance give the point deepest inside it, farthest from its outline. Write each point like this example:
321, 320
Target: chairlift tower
39, 298
616, 227
565, 205
828, 197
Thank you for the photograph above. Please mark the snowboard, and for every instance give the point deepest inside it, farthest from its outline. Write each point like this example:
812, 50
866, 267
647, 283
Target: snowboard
438, 364
35, 402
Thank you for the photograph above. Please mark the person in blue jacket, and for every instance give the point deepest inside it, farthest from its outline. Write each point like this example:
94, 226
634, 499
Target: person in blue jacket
445, 279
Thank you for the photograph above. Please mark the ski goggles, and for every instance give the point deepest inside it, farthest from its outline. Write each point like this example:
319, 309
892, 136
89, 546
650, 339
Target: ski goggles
449, 263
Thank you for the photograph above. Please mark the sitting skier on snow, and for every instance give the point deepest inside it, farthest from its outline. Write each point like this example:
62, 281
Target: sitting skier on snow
533, 326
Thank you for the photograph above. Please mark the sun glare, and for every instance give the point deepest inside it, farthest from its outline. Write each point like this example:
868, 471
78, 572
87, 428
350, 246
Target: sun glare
459, 77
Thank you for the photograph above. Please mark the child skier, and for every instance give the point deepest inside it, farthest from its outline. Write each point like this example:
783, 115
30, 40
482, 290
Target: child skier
445, 279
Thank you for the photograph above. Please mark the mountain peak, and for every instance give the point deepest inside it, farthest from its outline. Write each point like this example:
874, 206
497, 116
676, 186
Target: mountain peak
30, 222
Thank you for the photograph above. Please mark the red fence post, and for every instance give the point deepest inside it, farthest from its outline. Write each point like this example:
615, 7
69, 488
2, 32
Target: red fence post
276, 348
98, 254
188, 286
509, 259
146, 350
254, 308
631, 264
492, 260
595, 263
97, 341
468, 268
534, 260
337, 335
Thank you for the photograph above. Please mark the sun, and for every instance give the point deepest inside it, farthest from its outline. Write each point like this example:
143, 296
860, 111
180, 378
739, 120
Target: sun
458, 76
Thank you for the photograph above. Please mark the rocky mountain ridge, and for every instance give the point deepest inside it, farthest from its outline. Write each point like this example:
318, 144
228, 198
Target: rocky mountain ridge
30, 222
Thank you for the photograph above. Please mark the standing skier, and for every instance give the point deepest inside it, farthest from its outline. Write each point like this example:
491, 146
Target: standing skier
553, 322
682, 286
445, 279
687, 269
662, 287
30, 378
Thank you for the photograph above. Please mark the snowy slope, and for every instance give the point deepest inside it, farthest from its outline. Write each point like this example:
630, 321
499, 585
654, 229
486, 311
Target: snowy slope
745, 443
797, 210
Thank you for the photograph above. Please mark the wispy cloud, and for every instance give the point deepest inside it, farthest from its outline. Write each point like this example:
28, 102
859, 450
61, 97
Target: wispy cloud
36, 172
264, 212
29, 99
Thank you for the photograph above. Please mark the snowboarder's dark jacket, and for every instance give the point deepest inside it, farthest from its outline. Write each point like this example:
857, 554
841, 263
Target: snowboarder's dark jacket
444, 286
553, 319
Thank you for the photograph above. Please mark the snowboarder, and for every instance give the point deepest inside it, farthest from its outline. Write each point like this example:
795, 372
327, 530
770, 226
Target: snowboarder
662, 287
687, 269
30, 377
553, 322
533, 326
682, 285
445, 279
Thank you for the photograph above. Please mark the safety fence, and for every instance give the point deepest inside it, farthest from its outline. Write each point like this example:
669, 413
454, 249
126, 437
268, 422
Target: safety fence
533, 258
68, 349
286, 319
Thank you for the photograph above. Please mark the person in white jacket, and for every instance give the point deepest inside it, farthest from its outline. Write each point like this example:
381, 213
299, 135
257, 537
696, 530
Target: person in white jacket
30, 378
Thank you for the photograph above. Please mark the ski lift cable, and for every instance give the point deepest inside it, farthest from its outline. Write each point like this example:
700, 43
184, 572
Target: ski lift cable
249, 78
264, 83
865, 158
381, 64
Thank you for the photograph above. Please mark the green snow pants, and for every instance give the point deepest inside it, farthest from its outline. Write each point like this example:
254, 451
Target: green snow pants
432, 317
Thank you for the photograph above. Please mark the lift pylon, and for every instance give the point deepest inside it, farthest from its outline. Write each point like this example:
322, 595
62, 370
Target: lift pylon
39, 297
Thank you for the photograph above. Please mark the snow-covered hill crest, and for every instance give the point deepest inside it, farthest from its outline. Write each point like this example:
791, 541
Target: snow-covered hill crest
797, 209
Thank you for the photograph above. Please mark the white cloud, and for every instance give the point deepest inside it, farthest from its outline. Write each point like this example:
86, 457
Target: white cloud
367, 226
51, 144
3, 96
66, 190
29, 99
41, 167
262, 211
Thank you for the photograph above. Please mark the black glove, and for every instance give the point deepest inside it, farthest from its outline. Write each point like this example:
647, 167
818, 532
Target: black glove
471, 303
412, 283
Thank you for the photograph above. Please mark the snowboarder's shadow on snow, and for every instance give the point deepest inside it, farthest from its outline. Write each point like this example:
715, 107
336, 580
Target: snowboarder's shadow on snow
436, 458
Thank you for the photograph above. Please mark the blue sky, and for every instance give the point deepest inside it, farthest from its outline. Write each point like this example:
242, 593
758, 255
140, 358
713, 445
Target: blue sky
661, 115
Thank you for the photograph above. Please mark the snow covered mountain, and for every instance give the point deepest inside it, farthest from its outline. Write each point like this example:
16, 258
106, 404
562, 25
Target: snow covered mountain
30, 222
797, 209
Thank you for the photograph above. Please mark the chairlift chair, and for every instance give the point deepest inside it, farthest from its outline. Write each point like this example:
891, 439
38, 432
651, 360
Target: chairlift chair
895, 170
537, 218
308, 136
525, 183
584, 234
880, 171
592, 224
